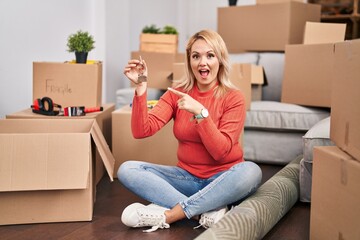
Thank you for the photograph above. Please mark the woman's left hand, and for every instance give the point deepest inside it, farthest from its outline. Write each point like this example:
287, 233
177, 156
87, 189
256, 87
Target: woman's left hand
187, 103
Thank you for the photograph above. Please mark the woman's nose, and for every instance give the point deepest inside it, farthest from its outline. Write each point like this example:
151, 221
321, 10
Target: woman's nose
202, 61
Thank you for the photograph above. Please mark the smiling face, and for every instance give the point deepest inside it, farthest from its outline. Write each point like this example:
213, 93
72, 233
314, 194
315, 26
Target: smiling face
204, 65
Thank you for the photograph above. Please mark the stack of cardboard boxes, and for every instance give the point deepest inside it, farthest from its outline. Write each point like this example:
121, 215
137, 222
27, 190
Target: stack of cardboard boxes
309, 66
318, 72
336, 170
50, 165
267, 26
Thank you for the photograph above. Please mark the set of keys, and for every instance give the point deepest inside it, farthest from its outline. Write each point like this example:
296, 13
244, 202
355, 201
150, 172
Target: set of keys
141, 69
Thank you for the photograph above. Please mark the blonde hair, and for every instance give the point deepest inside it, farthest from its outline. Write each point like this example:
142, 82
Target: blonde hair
218, 45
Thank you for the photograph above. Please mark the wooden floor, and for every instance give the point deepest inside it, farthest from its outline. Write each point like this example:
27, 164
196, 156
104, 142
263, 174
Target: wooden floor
112, 198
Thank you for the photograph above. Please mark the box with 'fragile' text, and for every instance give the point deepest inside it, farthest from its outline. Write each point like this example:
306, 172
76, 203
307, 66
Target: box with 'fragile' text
68, 84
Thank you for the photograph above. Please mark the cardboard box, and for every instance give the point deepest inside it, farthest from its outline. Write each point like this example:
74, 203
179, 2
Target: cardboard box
160, 67
47, 169
68, 84
265, 27
163, 43
103, 120
160, 148
345, 110
316, 32
308, 73
249, 78
178, 74
335, 195
178, 70
309, 67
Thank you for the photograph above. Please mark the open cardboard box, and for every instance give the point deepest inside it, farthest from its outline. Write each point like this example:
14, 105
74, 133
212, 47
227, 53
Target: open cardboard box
103, 119
249, 78
46, 169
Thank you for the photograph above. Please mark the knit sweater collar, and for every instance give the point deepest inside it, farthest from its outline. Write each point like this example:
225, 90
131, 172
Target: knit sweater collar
208, 93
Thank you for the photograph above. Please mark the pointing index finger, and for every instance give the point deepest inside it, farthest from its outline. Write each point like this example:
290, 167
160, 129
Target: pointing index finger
180, 94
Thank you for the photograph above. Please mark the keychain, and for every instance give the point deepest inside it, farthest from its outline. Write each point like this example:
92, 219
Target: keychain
141, 69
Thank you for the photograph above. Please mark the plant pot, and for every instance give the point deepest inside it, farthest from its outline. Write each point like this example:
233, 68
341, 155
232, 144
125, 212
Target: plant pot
81, 57
232, 2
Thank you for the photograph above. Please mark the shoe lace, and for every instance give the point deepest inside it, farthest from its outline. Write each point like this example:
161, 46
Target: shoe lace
205, 222
156, 221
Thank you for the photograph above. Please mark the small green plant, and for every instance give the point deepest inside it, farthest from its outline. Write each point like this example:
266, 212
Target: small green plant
80, 42
151, 29
155, 30
169, 30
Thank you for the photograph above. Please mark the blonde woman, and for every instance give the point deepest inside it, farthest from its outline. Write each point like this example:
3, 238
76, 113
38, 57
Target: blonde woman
209, 114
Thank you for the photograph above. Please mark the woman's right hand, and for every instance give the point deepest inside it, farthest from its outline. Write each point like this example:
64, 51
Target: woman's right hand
133, 70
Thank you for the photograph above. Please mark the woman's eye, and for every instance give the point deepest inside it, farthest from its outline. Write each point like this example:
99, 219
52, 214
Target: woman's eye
211, 55
195, 56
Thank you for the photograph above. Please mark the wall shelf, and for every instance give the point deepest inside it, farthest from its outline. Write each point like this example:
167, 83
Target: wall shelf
332, 11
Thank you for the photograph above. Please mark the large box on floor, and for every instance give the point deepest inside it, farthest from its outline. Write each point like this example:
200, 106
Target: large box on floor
102, 118
345, 110
335, 195
68, 84
46, 172
265, 27
160, 148
160, 67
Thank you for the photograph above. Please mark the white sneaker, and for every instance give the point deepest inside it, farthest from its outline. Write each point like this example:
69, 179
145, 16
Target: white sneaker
210, 218
139, 215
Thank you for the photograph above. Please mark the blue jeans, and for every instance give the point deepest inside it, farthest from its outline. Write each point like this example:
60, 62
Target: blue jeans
168, 186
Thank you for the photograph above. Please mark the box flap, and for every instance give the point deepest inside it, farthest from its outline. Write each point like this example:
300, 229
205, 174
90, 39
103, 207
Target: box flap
257, 75
319, 32
35, 156
103, 149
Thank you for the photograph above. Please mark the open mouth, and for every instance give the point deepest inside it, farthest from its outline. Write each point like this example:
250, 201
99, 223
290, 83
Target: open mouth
204, 73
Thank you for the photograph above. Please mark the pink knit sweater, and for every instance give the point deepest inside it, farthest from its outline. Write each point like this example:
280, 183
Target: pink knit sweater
205, 148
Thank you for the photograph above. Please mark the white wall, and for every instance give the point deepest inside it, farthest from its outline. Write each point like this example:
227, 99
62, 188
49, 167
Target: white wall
30, 31
37, 30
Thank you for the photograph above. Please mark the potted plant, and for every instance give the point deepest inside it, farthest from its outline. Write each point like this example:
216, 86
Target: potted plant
154, 39
151, 29
81, 43
169, 30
